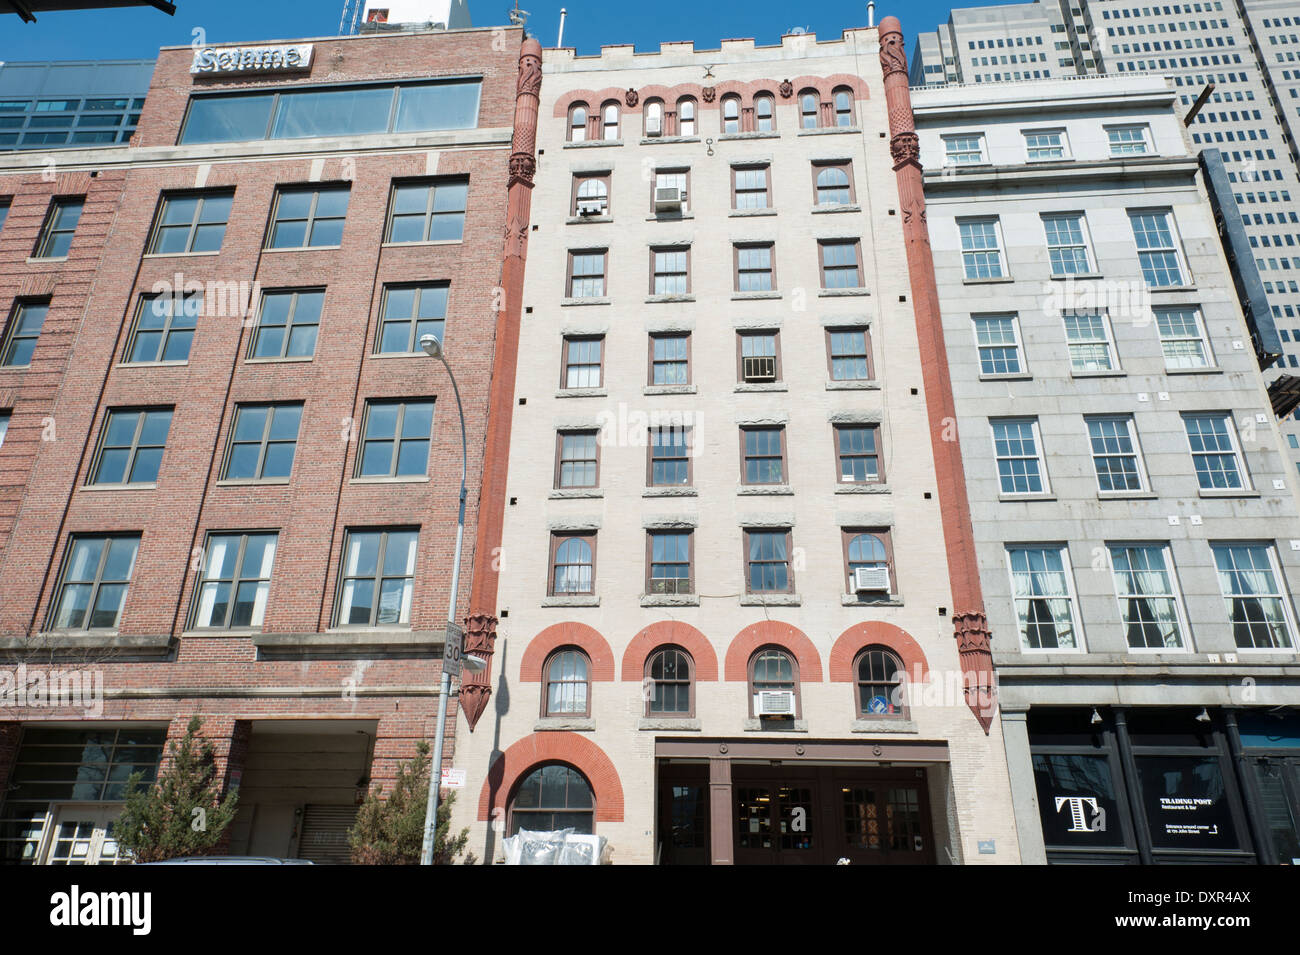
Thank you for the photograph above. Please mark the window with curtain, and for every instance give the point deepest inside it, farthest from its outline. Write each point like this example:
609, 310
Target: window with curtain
1148, 600
553, 796
568, 683
1044, 598
1253, 596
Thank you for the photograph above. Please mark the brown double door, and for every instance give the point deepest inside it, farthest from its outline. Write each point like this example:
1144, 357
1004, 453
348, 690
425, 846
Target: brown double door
803, 816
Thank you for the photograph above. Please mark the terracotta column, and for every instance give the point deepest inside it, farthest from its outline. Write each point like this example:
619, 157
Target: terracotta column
481, 625
969, 624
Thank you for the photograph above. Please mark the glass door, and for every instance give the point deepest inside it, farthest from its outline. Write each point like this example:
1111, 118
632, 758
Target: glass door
83, 835
1279, 787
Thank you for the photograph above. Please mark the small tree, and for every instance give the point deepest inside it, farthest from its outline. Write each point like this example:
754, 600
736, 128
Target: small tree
182, 814
391, 831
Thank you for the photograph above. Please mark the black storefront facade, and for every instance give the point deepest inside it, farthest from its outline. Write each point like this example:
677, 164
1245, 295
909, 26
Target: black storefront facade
1166, 785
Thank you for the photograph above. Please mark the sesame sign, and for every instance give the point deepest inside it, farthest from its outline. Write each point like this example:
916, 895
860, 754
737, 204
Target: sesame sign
210, 61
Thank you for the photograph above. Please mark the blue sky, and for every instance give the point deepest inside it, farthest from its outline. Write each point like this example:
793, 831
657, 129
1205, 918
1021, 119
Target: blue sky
135, 33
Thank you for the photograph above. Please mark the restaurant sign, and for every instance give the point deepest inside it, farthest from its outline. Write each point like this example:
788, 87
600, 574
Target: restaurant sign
223, 61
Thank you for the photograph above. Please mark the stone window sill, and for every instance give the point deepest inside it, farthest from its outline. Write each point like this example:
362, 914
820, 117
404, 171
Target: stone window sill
583, 301
1009, 376
1011, 498
755, 725
765, 490
766, 134
863, 489
119, 487
582, 220
423, 243
1207, 370
305, 248
670, 492
771, 600
750, 213
897, 724
762, 386
1126, 496
653, 140
864, 385
1077, 276
833, 131
669, 390
593, 143
663, 299
1100, 373
571, 724
670, 600
754, 296
151, 364
251, 482
567, 493
582, 393
830, 208
1229, 492
842, 292
853, 600
172, 255
672, 724
585, 600
1000, 280
76, 640
395, 479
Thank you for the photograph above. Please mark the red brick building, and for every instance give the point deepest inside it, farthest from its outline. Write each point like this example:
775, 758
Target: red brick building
229, 480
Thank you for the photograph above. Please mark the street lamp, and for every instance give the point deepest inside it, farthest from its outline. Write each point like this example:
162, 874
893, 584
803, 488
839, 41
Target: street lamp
433, 348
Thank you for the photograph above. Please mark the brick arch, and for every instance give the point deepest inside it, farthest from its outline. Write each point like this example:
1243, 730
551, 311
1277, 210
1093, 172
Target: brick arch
567, 634
824, 85
778, 634
746, 90
876, 633
675, 632
552, 747
594, 99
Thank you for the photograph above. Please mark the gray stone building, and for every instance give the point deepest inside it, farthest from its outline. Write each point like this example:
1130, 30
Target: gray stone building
1131, 498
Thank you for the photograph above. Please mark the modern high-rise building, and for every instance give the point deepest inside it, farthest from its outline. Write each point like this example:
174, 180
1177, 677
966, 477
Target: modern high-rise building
1133, 507
739, 616
229, 473
1242, 54
74, 103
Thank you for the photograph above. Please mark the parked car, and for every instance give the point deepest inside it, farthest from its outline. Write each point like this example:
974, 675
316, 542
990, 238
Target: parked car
232, 860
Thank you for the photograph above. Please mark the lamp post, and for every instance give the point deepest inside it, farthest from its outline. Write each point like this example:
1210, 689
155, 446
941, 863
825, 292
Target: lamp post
433, 348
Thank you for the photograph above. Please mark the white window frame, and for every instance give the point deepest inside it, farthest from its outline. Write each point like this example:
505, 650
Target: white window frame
1109, 341
999, 248
1280, 593
981, 150
1089, 258
1175, 594
1234, 439
1071, 594
1048, 131
1038, 454
1144, 480
975, 319
1148, 147
1175, 237
1203, 336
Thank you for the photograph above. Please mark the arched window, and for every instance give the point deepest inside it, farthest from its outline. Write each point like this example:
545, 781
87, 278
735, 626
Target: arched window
843, 106
593, 196
609, 120
833, 186
577, 122
654, 117
553, 796
731, 114
808, 109
764, 113
568, 683
867, 550
686, 116
879, 677
574, 565
772, 670
669, 683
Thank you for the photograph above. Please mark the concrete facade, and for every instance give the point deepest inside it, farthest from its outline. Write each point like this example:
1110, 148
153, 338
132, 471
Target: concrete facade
616, 744
1059, 394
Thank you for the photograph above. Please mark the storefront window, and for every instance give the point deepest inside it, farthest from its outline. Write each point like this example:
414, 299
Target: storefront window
1185, 803
1076, 798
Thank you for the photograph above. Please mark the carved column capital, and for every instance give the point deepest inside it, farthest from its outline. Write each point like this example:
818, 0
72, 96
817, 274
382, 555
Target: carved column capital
905, 148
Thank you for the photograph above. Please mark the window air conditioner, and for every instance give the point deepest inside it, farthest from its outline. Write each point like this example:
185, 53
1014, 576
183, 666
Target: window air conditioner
774, 703
591, 207
758, 368
654, 126
871, 579
669, 199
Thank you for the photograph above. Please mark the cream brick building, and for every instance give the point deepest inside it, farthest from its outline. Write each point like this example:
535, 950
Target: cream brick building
777, 306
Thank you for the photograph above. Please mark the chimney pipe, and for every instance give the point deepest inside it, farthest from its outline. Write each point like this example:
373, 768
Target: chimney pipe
871, 13
559, 41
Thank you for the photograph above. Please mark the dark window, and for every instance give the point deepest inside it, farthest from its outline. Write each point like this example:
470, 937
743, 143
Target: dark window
760, 357
262, 442
409, 313
850, 354
857, 451
577, 459
193, 223
96, 574
24, 329
582, 362
164, 328
670, 563
669, 673
235, 581
553, 797
568, 683
754, 270
428, 211
670, 457
573, 564
763, 455
377, 578
308, 217
131, 447
670, 271
670, 359
395, 439
587, 274
767, 561
879, 676
750, 187
60, 224
287, 324
841, 267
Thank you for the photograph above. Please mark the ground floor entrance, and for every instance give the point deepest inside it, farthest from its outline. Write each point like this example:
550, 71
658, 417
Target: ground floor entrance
739, 802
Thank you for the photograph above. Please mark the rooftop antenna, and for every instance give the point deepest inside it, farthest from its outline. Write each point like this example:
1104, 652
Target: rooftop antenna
871, 13
559, 40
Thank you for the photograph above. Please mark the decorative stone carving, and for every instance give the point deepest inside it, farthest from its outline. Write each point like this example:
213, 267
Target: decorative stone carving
905, 148
480, 639
530, 74
974, 647
522, 168
631, 97
786, 89
892, 57
709, 93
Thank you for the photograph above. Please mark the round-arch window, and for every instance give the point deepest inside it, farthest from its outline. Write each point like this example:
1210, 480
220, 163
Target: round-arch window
578, 123
669, 682
731, 115
808, 109
833, 186
843, 108
879, 676
654, 118
763, 116
553, 796
867, 550
610, 117
573, 567
568, 683
686, 117
773, 670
